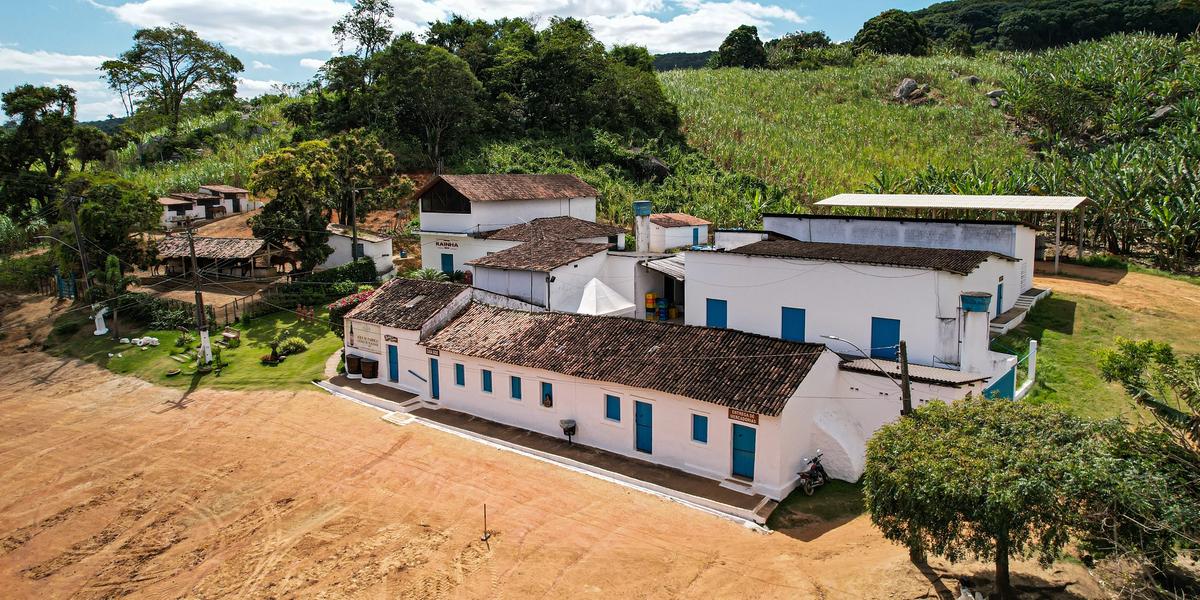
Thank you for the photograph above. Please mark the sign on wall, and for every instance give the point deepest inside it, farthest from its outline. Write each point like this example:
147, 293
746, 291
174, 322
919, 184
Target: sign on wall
364, 336
744, 416
445, 244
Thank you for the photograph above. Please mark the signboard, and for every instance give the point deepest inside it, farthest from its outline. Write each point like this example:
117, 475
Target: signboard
390, 338
432, 352
744, 416
445, 244
364, 336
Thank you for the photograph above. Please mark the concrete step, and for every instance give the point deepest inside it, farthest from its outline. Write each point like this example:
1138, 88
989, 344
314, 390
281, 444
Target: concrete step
763, 511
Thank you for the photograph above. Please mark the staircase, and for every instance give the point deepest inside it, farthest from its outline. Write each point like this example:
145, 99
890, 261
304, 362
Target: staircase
1009, 319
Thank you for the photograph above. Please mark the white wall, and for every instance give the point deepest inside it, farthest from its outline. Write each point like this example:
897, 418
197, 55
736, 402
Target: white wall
728, 240
379, 252
566, 291
489, 216
463, 247
583, 400
170, 218
666, 238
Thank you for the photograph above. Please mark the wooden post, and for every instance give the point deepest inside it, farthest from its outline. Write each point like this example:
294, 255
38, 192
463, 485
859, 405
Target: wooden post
1057, 239
905, 388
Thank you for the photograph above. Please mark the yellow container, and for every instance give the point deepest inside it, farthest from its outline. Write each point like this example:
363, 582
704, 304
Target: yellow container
673, 313
650, 298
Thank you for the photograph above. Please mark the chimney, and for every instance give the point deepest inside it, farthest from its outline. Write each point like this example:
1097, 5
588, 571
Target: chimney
975, 355
641, 225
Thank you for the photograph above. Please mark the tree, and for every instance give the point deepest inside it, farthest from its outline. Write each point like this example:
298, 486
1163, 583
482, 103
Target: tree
741, 48
633, 56
893, 32
363, 164
111, 282
567, 62
368, 25
91, 144
45, 119
301, 183
960, 43
987, 478
113, 209
170, 64
427, 92
801, 40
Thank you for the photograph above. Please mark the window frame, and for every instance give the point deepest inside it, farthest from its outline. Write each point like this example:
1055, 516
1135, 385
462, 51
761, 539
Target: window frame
609, 401
485, 381
695, 418
515, 385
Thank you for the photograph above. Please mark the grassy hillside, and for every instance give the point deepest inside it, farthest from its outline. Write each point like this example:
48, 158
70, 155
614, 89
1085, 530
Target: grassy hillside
819, 133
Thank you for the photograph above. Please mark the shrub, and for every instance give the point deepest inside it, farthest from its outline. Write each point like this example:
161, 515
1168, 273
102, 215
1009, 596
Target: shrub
24, 273
292, 345
67, 328
339, 309
323, 286
184, 340
893, 32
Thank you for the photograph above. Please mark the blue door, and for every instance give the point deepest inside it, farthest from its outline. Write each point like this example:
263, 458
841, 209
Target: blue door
643, 417
695, 236
999, 298
393, 364
448, 263
743, 451
885, 338
435, 389
792, 328
717, 313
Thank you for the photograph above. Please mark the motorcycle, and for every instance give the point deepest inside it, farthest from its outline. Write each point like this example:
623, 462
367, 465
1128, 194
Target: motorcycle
813, 476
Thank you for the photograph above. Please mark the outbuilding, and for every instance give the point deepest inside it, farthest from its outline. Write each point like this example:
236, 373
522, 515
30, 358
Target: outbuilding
676, 230
371, 245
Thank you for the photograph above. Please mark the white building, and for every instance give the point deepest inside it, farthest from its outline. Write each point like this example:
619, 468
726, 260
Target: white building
456, 210
213, 201
553, 274
740, 408
676, 230
868, 297
387, 327
370, 245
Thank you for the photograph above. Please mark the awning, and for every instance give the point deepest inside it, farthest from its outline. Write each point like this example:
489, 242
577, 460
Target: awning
958, 202
672, 266
599, 299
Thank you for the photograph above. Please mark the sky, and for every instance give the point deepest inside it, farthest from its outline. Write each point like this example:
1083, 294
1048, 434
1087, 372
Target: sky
286, 41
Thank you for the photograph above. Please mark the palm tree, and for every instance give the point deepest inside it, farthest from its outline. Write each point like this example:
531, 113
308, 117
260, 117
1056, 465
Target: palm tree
112, 283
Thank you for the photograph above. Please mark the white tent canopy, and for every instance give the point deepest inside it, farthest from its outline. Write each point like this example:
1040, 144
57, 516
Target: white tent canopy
599, 299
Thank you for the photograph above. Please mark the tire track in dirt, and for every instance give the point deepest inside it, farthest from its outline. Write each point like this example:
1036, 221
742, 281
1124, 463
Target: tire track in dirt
83, 549
21, 536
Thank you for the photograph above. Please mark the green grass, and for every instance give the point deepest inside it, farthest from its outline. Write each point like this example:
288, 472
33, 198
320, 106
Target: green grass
1072, 330
244, 371
819, 133
832, 502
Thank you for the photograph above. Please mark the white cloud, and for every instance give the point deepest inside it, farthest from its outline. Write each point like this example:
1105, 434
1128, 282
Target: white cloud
49, 63
99, 109
249, 88
312, 63
262, 26
303, 26
701, 25
260, 65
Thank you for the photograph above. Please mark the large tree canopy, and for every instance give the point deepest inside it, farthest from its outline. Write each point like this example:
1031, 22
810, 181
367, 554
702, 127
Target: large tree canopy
368, 26
113, 209
45, 118
893, 32
170, 64
302, 184
741, 48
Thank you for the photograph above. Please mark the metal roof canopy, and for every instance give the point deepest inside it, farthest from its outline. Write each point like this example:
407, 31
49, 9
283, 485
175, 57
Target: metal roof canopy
1055, 204
956, 202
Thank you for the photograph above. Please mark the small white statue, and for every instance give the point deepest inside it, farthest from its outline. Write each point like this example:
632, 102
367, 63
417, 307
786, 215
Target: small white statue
101, 328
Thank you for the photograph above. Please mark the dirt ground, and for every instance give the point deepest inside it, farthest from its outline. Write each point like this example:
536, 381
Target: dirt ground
1131, 290
112, 486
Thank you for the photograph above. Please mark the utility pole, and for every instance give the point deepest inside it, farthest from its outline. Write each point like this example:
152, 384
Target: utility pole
905, 388
205, 356
354, 254
74, 202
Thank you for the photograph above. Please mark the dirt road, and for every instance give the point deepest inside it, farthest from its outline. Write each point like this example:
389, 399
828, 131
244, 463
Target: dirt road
112, 486
1131, 290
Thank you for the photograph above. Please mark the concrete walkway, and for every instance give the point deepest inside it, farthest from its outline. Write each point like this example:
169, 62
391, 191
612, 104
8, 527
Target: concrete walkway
659, 479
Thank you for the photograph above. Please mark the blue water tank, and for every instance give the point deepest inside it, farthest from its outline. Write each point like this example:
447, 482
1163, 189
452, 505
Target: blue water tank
641, 208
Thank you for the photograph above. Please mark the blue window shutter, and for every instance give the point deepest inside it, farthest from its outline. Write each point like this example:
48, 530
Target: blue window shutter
487, 380
717, 313
460, 374
612, 407
700, 429
515, 385
547, 391
792, 328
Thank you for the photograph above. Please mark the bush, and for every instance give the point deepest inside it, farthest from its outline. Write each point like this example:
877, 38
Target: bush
184, 340
67, 328
324, 286
23, 274
339, 309
292, 345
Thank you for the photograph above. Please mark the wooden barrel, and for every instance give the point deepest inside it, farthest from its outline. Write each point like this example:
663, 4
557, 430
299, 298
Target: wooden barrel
353, 364
370, 368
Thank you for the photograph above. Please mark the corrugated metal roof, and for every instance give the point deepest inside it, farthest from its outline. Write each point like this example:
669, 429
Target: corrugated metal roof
726, 367
961, 262
920, 373
221, 188
671, 266
958, 202
167, 201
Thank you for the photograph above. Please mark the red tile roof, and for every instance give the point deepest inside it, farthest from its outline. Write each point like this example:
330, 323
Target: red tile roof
726, 367
499, 187
554, 228
543, 256
961, 262
677, 220
176, 246
407, 303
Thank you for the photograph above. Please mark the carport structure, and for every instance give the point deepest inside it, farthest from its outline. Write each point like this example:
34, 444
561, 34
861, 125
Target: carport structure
948, 204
